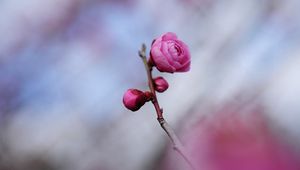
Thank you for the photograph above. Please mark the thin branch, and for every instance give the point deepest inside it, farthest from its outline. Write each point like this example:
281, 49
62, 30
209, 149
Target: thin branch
177, 145
142, 54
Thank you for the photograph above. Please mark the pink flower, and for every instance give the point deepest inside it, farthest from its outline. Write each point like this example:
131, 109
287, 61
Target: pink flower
134, 99
169, 54
160, 84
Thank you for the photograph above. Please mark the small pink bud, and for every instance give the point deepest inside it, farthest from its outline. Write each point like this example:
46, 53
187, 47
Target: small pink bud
160, 84
134, 99
148, 95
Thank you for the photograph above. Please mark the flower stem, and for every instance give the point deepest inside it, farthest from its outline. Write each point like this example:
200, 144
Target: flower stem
177, 145
142, 54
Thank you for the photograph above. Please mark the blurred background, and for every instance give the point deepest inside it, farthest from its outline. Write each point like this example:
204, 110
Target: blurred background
65, 64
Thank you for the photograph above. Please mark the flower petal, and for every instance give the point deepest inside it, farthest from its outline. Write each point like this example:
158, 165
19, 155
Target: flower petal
169, 36
160, 60
185, 67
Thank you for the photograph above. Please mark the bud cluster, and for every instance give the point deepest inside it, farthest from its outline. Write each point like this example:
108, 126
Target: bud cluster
134, 99
167, 54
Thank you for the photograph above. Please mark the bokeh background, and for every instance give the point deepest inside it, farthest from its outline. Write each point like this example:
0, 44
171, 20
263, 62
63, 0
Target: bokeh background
65, 64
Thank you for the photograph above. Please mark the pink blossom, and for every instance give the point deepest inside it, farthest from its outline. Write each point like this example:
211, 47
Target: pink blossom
169, 54
160, 84
134, 99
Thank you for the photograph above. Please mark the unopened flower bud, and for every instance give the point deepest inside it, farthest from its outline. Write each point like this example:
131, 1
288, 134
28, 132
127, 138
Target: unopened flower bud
160, 84
169, 54
149, 96
134, 99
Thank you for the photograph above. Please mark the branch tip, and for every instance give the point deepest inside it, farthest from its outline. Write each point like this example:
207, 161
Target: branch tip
144, 47
142, 52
